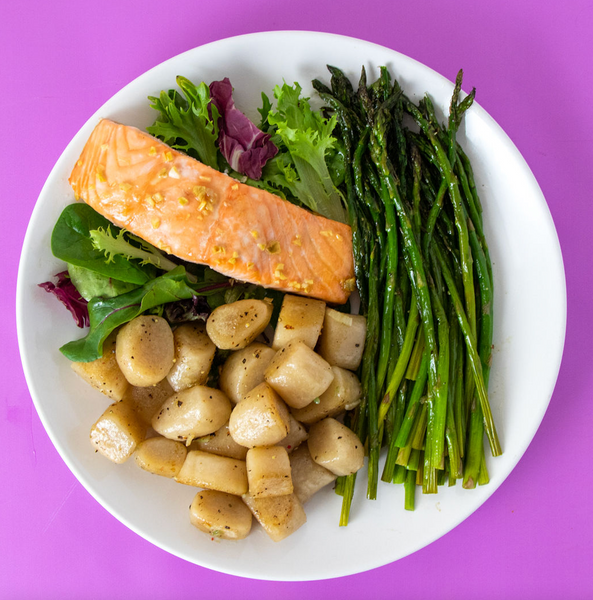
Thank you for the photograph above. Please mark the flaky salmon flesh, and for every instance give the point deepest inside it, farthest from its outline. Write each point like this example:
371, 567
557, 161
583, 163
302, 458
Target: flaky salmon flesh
200, 215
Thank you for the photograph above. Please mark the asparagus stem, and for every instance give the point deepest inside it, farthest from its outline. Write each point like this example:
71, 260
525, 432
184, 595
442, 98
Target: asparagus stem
416, 437
404, 455
399, 474
414, 403
420, 428
369, 382
433, 215
388, 304
475, 444
402, 361
457, 380
347, 495
455, 465
415, 358
414, 459
398, 410
473, 356
410, 490
399, 337
460, 221
454, 439
441, 477
475, 447
486, 303
440, 406
484, 477
420, 471
416, 217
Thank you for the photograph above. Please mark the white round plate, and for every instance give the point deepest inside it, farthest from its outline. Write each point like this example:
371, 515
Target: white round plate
530, 314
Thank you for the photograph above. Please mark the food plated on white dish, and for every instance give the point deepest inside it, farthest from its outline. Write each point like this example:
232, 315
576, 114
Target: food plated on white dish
526, 355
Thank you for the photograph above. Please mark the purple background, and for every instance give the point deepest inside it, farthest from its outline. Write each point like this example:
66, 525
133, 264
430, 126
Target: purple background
531, 63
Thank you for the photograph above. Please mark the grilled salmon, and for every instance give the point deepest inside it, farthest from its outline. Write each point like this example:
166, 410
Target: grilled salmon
192, 211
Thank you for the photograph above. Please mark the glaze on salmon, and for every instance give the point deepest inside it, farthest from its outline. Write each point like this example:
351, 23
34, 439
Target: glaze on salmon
192, 211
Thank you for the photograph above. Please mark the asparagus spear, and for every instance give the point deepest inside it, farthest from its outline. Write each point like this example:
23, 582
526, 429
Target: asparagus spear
422, 184
473, 356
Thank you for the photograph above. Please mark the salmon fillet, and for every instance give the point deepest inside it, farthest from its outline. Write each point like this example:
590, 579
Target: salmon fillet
192, 211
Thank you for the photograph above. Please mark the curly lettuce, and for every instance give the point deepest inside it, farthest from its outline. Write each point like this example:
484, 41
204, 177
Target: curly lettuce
309, 165
188, 121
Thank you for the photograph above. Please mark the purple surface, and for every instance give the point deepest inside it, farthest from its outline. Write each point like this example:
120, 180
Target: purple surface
530, 62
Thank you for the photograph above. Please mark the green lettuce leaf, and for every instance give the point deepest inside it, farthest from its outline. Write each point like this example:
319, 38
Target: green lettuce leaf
310, 165
188, 121
90, 283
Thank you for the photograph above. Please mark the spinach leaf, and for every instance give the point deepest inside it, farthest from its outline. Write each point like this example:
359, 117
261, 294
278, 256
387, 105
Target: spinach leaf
106, 314
72, 243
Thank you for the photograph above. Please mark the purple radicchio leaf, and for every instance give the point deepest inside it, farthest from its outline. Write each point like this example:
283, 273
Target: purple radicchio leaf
68, 295
246, 148
195, 308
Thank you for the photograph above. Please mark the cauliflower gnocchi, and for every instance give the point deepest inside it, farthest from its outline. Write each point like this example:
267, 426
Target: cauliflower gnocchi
260, 441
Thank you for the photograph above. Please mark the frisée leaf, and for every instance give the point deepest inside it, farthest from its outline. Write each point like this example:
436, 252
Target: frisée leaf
187, 121
114, 245
307, 152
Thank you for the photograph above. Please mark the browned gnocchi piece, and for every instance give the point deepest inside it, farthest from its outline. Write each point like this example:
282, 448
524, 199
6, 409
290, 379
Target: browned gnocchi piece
234, 326
335, 447
160, 456
280, 516
104, 373
117, 432
297, 434
300, 318
343, 393
194, 353
342, 340
244, 370
298, 374
268, 471
145, 350
220, 442
146, 401
192, 413
260, 419
221, 473
308, 477
220, 515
